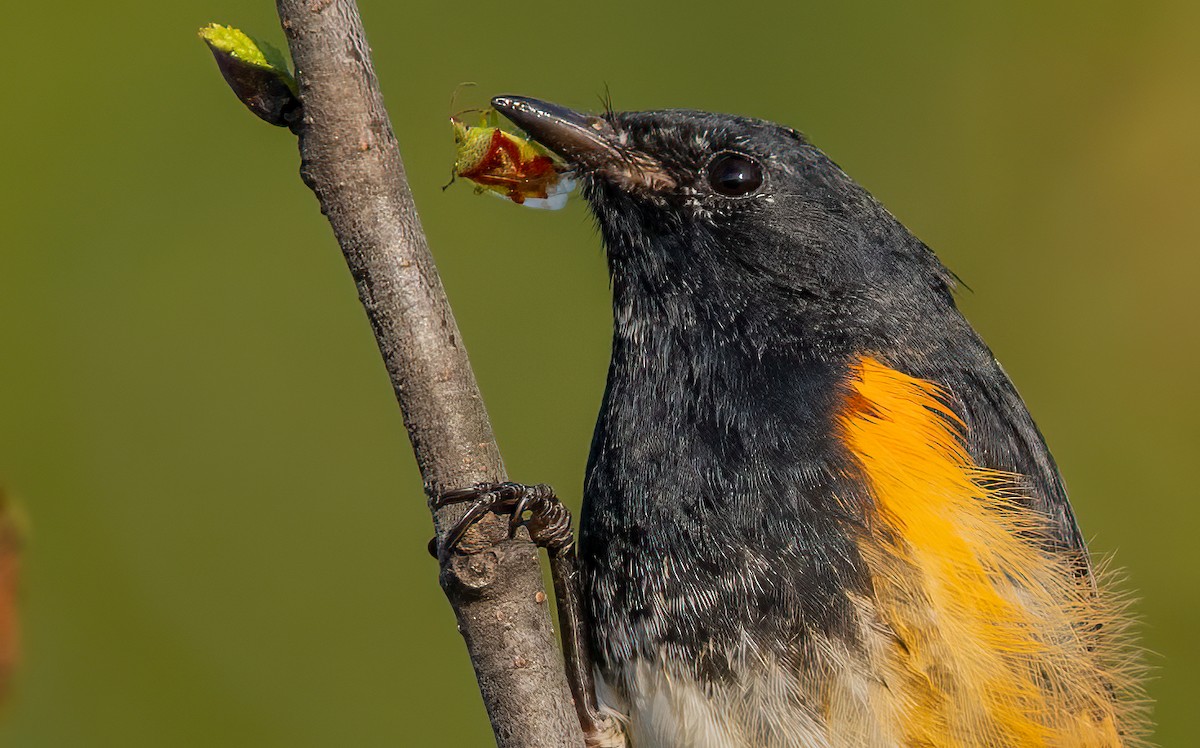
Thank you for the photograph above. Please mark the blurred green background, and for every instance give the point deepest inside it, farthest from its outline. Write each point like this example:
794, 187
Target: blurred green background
229, 531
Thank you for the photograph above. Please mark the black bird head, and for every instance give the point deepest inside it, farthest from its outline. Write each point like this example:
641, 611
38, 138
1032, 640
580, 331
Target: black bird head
742, 224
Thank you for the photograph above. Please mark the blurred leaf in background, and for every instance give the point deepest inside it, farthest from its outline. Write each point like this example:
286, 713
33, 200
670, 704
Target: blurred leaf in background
230, 527
13, 534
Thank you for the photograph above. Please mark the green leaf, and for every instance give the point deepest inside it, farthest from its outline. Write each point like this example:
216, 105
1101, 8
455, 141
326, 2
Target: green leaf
256, 71
245, 48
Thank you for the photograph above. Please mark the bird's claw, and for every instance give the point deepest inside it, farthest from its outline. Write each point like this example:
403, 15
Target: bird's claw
549, 521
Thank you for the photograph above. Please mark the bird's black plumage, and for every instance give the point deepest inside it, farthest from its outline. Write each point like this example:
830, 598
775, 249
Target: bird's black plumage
723, 512
714, 455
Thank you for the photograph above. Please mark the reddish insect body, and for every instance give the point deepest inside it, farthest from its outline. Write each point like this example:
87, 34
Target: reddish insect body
509, 166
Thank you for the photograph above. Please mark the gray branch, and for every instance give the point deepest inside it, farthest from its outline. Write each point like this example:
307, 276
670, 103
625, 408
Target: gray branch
351, 160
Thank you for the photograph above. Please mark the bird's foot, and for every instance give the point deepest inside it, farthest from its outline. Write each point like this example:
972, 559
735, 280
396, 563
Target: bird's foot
535, 508
548, 521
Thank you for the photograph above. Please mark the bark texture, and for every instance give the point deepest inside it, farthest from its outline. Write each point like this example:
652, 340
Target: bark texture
351, 160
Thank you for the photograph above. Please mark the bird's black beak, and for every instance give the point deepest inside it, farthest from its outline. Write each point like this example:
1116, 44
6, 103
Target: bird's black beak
585, 141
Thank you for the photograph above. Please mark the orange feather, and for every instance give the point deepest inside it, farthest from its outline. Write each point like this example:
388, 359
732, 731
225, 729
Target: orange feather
993, 639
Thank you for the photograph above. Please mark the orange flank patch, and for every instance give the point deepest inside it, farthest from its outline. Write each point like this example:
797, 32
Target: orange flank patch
988, 639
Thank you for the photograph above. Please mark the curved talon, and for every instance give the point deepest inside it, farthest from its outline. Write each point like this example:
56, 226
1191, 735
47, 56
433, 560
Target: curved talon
518, 514
473, 515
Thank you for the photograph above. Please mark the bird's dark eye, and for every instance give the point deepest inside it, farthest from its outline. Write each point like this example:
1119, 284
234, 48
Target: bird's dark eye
734, 175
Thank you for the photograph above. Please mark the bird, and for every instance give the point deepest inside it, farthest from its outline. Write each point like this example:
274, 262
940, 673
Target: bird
816, 511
